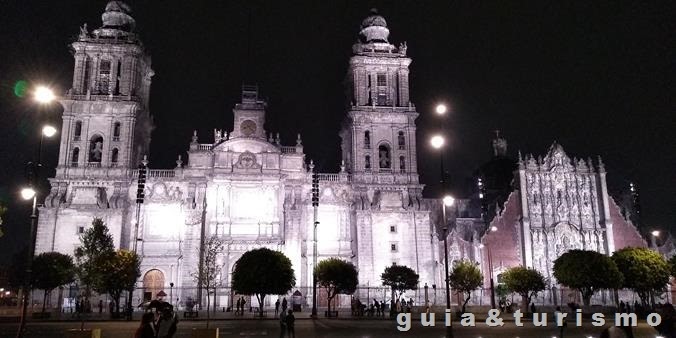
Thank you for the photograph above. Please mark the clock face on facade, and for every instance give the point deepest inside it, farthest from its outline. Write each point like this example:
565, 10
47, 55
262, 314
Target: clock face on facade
248, 128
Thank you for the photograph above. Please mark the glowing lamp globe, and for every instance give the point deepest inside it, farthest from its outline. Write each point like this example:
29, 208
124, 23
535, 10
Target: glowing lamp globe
48, 131
43, 94
437, 141
27, 193
448, 200
440, 109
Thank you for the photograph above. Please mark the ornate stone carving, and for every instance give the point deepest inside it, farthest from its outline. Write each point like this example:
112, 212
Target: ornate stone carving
247, 160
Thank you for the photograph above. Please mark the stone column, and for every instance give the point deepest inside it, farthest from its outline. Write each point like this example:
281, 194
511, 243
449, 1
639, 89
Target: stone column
526, 240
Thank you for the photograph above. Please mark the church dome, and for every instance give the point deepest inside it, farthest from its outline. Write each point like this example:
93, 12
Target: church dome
117, 16
374, 28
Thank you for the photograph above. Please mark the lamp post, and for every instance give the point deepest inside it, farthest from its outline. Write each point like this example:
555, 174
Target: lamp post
490, 268
437, 142
653, 238
42, 95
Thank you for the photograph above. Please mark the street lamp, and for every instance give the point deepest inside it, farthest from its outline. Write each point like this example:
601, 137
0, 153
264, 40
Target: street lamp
653, 238
441, 109
490, 267
437, 141
42, 95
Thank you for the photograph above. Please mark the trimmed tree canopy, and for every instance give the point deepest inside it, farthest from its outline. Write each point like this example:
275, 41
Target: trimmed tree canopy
465, 278
123, 270
95, 251
400, 278
51, 270
337, 276
644, 270
263, 272
587, 271
524, 281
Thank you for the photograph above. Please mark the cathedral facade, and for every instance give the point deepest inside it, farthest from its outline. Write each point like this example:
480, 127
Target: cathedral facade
247, 188
242, 186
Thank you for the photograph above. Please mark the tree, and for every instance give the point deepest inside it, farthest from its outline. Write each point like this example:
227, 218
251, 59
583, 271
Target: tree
95, 252
465, 278
125, 266
337, 276
208, 273
3, 209
400, 278
644, 271
672, 266
263, 272
51, 270
588, 272
524, 281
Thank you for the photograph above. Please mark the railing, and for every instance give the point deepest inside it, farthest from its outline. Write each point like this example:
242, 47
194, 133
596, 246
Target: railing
116, 138
73, 164
288, 150
102, 97
329, 177
93, 164
161, 173
205, 147
76, 138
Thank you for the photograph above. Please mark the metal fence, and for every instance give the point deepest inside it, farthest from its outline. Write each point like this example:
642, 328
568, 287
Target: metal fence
70, 299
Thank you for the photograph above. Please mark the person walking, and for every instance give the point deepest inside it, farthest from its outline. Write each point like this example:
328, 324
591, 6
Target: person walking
167, 324
284, 304
557, 314
282, 324
147, 327
239, 302
290, 321
277, 307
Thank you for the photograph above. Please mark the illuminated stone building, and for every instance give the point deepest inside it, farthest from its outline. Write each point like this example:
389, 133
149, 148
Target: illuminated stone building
243, 186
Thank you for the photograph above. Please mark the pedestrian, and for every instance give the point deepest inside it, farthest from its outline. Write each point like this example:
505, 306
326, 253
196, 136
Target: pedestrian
382, 308
284, 304
243, 302
239, 302
167, 323
277, 307
111, 307
532, 308
622, 307
558, 314
100, 306
282, 324
290, 320
147, 327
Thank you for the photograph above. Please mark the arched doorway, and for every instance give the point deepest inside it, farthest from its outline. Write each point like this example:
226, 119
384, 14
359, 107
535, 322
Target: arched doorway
153, 283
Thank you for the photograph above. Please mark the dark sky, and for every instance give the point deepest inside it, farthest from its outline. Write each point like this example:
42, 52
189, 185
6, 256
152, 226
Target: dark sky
596, 76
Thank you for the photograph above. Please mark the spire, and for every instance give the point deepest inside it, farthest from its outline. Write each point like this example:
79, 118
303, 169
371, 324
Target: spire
117, 22
499, 145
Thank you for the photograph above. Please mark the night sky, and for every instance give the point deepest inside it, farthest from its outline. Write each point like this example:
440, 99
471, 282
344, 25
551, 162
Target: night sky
596, 76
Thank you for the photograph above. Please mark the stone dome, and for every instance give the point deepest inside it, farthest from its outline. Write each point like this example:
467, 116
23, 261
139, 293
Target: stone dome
374, 19
374, 28
117, 16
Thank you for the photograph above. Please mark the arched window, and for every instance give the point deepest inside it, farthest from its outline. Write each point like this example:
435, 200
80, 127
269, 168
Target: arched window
402, 164
401, 140
114, 155
367, 140
367, 162
95, 149
384, 158
75, 157
77, 133
116, 131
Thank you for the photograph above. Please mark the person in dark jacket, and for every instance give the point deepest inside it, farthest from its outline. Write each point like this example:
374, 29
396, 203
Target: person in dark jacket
290, 322
147, 328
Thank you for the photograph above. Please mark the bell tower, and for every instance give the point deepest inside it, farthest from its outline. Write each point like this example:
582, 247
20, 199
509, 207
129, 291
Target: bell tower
106, 122
378, 136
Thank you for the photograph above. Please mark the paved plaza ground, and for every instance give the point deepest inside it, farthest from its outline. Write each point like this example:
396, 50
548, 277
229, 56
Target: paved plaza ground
321, 328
